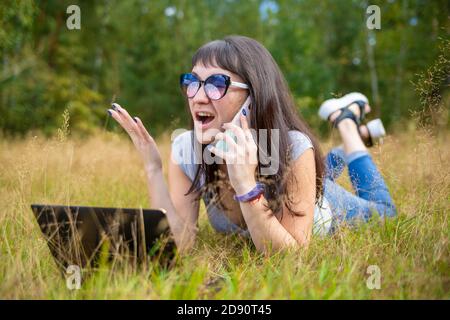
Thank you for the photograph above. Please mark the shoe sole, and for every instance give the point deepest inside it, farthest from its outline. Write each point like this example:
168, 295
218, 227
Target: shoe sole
330, 106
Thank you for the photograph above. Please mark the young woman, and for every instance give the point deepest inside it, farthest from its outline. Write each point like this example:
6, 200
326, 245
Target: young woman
278, 209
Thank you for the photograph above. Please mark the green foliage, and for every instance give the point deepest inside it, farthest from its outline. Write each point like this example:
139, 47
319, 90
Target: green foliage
133, 51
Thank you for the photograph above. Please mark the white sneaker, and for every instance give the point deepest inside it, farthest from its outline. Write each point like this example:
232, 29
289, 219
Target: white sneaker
329, 106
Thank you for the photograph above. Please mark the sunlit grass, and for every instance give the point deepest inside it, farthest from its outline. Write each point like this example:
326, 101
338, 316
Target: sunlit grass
412, 251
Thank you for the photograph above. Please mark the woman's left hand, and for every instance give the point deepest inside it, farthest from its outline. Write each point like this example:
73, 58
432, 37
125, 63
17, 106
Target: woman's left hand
241, 157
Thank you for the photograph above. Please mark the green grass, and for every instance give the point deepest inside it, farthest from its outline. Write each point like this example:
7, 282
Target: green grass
412, 251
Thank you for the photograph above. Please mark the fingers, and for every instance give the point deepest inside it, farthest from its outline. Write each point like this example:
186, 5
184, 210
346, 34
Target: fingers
229, 154
243, 134
115, 115
143, 131
133, 126
124, 115
237, 131
246, 129
231, 143
235, 153
219, 153
244, 123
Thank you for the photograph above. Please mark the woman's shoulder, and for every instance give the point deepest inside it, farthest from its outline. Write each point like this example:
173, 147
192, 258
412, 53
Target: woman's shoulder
299, 143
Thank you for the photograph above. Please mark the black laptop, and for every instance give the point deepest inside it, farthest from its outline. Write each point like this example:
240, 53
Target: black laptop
79, 235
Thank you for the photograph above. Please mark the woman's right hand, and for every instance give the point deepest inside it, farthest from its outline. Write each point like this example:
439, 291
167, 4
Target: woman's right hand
142, 140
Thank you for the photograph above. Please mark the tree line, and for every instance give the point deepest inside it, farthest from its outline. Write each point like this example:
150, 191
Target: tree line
132, 52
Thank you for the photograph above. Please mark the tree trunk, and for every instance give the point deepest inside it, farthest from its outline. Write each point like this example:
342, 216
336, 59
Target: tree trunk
376, 107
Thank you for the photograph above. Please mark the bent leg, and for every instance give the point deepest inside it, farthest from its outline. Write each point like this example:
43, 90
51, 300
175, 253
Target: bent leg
351, 208
369, 184
371, 191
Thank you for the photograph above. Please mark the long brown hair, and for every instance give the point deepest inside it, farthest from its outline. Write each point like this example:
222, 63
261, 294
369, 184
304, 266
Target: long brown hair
272, 108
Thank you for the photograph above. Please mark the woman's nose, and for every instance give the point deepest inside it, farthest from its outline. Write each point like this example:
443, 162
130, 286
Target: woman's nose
200, 96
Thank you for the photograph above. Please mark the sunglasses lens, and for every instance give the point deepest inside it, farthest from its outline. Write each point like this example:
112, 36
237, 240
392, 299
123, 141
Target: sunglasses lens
216, 87
212, 92
189, 84
192, 89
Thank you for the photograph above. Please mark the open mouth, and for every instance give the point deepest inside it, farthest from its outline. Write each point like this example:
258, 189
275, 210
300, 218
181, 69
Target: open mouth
204, 117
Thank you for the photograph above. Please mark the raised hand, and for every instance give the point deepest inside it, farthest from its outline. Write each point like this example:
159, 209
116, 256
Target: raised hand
142, 140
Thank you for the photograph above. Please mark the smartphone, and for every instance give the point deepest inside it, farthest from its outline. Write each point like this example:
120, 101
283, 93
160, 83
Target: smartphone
245, 110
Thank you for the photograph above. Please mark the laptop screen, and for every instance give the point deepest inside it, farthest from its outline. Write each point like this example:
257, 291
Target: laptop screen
78, 235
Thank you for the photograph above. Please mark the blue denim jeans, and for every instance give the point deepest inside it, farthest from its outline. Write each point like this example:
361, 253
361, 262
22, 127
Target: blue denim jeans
371, 193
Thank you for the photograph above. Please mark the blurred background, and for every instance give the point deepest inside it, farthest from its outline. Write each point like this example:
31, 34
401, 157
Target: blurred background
132, 52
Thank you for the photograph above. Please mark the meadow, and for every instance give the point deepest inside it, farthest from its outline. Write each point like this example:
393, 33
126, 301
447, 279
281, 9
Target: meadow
411, 251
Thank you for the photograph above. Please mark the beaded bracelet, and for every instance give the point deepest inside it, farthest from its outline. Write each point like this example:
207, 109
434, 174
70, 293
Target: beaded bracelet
252, 194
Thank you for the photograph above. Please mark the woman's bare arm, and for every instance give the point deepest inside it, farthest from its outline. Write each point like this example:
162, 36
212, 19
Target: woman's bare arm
186, 206
272, 231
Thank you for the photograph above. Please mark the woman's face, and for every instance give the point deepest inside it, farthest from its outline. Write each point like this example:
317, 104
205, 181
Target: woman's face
220, 111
